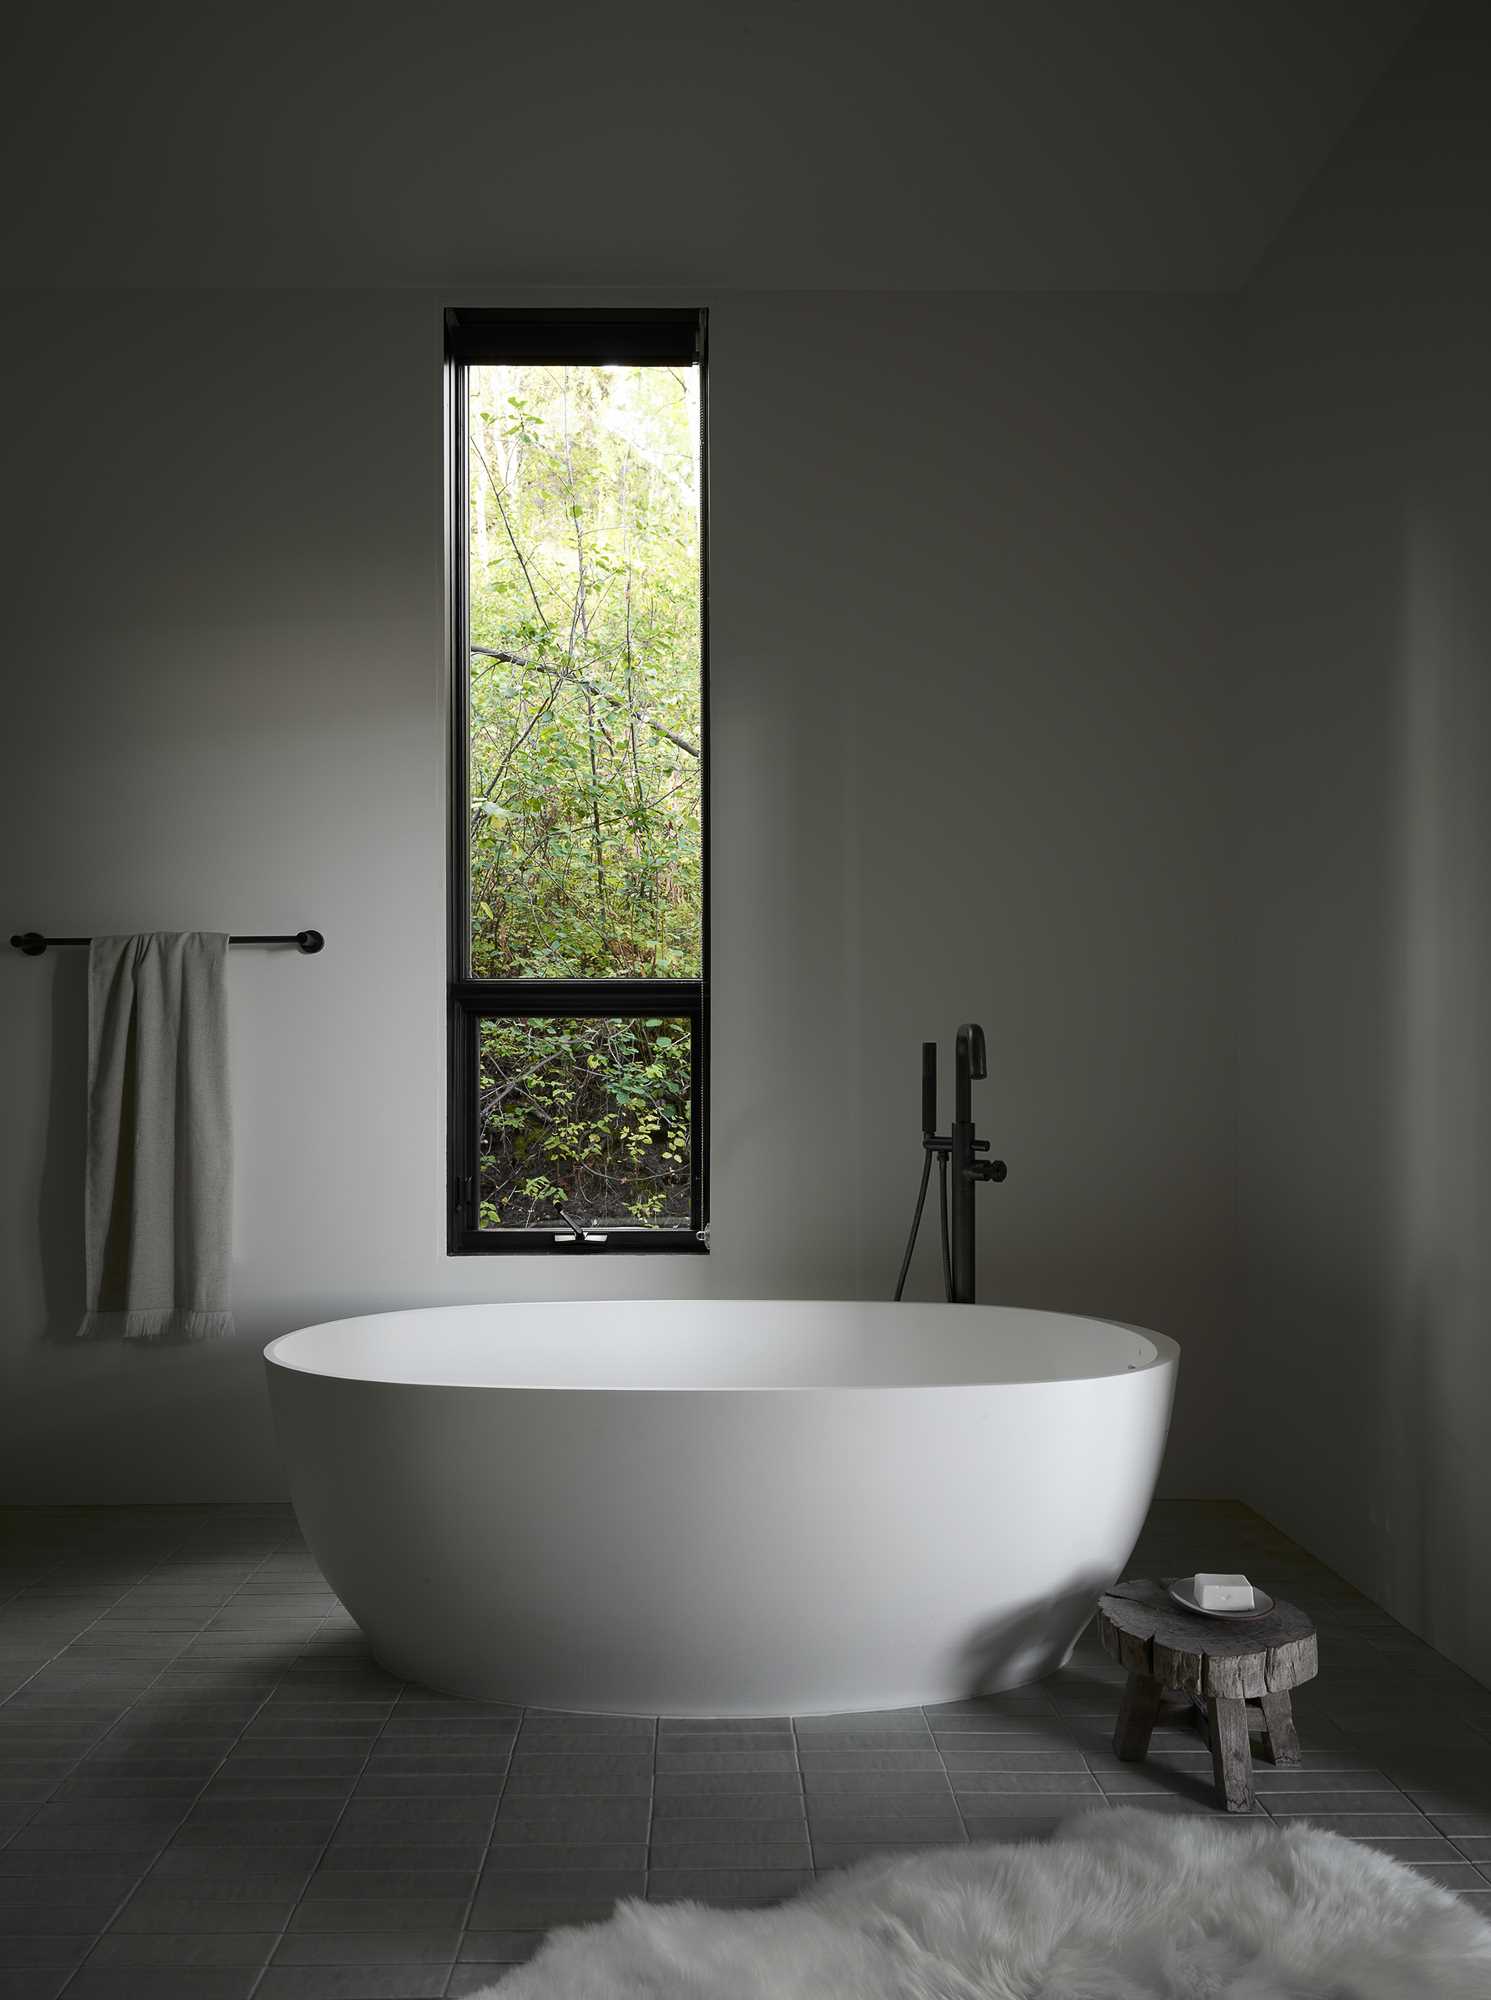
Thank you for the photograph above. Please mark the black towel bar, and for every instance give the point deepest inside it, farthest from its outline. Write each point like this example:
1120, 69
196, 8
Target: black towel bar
33, 944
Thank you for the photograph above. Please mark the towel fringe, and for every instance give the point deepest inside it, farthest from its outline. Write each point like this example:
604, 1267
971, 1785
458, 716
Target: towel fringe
170, 1323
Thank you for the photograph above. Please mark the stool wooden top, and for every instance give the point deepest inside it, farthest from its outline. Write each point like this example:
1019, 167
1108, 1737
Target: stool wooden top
1212, 1658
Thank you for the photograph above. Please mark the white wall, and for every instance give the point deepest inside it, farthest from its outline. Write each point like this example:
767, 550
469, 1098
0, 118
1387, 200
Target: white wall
831, 144
1364, 829
968, 752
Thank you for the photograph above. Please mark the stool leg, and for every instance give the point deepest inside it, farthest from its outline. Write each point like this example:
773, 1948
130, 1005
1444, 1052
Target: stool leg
1231, 1759
1279, 1735
1136, 1717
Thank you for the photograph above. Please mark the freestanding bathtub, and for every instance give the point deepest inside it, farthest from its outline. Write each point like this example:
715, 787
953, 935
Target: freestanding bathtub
690, 1507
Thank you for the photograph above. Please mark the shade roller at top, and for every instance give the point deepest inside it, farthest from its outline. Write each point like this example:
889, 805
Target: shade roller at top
656, 337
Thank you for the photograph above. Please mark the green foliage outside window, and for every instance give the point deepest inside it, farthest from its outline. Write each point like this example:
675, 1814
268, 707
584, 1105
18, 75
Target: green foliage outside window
585, 688
587, 1116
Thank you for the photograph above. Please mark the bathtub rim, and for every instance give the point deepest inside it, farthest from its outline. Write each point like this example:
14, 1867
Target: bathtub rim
1166, 1354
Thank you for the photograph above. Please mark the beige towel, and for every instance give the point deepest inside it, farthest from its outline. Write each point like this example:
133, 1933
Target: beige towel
158, 1206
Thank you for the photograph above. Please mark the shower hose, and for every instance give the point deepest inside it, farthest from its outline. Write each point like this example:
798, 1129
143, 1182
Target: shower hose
916, 1223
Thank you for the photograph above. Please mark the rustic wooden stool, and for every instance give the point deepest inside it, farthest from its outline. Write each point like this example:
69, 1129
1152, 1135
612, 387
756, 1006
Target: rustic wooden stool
1222, 1664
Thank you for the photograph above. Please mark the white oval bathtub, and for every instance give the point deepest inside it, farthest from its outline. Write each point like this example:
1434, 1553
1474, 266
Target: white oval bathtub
692, 1507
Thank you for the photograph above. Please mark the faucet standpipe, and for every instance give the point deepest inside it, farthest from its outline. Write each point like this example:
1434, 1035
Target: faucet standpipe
955, 1151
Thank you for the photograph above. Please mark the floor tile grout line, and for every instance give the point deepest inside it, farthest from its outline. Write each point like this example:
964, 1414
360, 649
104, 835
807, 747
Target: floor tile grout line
952, 1789
53, 1658
196, 1796
138, 1697
802, 1793
481, 1867
657, 1744
285, 1928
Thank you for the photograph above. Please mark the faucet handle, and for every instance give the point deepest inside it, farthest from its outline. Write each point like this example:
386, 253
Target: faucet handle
578, 1233
987, 1170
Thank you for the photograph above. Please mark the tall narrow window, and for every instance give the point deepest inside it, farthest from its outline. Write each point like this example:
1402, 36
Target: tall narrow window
578, 933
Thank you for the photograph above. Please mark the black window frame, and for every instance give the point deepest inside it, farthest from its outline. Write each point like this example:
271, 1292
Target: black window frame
472, 336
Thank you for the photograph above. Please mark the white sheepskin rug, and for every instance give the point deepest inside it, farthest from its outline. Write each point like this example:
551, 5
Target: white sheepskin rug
1118, 1905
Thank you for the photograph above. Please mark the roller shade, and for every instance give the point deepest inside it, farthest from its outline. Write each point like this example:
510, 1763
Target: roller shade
656, 338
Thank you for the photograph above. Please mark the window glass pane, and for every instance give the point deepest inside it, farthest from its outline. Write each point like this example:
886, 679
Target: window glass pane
585, 711
586, 1115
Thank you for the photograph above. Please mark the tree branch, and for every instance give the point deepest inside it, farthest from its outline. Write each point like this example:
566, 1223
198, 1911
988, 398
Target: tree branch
502, 510
592, 688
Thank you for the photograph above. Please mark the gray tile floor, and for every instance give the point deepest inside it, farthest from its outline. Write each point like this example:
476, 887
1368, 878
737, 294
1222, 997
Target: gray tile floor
208, 1790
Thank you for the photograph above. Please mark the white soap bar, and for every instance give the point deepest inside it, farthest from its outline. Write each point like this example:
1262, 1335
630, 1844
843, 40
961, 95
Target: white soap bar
1222, 1593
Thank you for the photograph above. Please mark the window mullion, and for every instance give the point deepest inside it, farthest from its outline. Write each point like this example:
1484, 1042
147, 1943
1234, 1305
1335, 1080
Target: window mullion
626, 999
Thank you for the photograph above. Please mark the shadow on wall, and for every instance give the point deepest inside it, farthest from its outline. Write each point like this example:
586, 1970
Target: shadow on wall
1438, 1367
1027, 1644
59, 1215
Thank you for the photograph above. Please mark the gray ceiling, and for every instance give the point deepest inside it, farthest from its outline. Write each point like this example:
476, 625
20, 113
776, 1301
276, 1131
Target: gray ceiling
1139, 144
